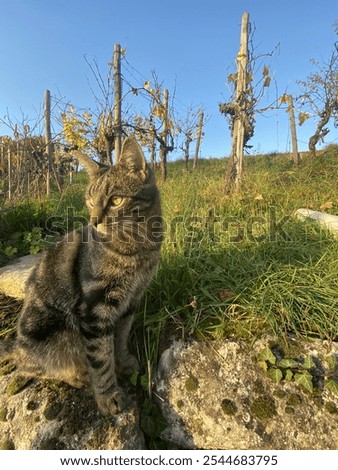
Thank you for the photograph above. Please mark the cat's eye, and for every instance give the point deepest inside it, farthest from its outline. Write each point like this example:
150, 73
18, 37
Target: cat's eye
116, 201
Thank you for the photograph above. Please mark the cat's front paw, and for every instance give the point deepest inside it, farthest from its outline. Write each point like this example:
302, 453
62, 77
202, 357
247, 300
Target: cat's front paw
115, 402
128, 366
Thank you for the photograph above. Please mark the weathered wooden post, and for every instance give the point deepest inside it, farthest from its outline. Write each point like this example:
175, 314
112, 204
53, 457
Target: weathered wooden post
291, 111
48, 140
235, 165
199, 138
117, 101
9, 163
152, 146
187, 142
164, 137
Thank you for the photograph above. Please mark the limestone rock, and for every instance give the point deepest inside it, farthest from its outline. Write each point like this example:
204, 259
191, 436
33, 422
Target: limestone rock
49, 415
214, 395
13, 276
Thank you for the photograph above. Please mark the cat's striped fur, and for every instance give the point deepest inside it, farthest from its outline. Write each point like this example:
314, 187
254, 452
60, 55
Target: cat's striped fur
81, 296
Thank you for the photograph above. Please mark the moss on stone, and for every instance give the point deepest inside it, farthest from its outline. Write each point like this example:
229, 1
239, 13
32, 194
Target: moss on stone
229, 407
7, 445
331, 408
258, 387
6, 368
280, 393
289, 410
17, 385
3, 414
180, 404
32, 405
191, 384
294, 400
263, 408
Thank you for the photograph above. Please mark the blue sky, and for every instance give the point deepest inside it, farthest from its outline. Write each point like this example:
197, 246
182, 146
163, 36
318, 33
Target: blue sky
190, 44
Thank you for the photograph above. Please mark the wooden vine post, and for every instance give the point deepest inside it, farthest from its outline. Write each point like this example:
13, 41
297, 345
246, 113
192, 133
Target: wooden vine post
291, 111
117, 101
48, 140
199, 138
164, 137
235, 165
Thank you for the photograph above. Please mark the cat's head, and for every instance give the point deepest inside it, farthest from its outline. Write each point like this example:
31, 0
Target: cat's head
123, 200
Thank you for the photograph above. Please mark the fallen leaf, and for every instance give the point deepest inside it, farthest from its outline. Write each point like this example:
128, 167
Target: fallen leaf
326, 205
225, 294
259, 197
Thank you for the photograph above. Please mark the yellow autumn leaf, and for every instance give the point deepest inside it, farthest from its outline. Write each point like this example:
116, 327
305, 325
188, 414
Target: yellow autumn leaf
326, 205
284, 98
258, 197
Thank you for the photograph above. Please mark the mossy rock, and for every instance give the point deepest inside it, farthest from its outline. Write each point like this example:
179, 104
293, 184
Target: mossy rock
294, 400
3, 414
263, 408
7, 445
191, 384
17, 385
229, 407
7, 368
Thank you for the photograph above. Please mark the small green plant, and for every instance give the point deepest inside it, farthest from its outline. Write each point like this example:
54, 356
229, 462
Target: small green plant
26, 242
307, 371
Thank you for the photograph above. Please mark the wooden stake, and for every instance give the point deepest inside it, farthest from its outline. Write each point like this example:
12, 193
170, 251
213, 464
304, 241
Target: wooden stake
48, 140
163, 146
117, 101
9, 162
199, 138
235, 165
291, 111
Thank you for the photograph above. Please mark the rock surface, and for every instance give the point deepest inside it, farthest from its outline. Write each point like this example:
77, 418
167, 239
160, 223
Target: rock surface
213, 395
216, 396
13, 276
47, 415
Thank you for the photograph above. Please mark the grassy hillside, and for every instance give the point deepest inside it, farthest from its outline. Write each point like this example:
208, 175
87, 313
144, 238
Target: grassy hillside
235, 267
245, 266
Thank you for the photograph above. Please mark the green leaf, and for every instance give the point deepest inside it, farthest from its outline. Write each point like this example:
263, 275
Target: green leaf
34, 249
267, 355
332, 385
144, 381
133, 378
331, 361
308, 363
288, 375
288, 363
275, 374
305, 380
263, 365
10, 251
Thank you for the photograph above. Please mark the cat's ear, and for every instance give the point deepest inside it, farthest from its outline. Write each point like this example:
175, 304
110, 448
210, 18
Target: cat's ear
93, 168
133, 157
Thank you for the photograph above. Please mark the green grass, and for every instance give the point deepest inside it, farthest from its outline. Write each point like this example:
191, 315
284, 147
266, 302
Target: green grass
244, 266
231, 267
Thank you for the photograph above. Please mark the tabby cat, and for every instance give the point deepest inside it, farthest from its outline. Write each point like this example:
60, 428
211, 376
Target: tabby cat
80, 298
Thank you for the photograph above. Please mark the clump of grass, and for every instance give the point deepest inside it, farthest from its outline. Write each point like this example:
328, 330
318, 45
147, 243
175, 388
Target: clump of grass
244, 266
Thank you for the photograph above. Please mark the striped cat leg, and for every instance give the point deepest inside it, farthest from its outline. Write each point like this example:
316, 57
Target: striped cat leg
99, 346
126, 363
